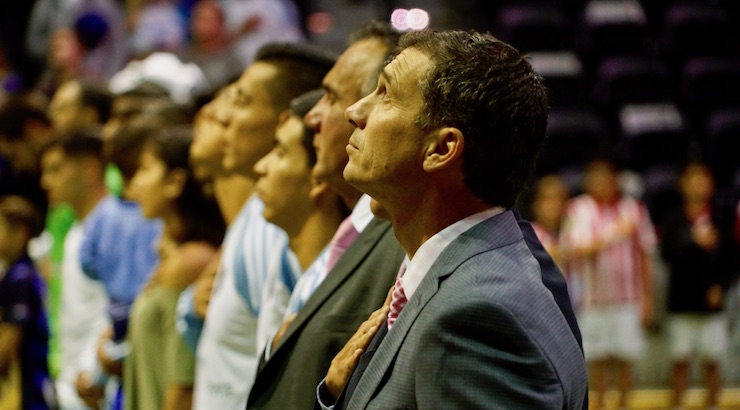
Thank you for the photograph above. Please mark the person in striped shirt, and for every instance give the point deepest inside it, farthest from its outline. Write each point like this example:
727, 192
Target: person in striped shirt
306, 209
609, 240
257, 273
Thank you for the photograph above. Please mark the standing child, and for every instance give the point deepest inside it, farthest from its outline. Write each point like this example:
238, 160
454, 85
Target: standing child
24, 331
610, 240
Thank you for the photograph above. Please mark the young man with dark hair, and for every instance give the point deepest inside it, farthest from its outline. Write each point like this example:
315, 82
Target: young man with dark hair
72, 170
78, 106
256, 276
356, 282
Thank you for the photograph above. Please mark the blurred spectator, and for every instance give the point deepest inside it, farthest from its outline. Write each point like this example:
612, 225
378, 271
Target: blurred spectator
85, 40
210, 45
230, 190
79, 105
24, 130
118, 249
610, 240
159, 371
24, 332
548, 204
157, 26
255, 23
695, 247
72, 174
182, 82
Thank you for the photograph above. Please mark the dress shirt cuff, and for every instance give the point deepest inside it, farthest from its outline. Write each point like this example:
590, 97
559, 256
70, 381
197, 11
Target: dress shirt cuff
268, 347
325, 400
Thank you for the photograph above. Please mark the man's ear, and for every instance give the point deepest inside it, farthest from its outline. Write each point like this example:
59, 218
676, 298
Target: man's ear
284, 116
175, 183
445, 147
318, 189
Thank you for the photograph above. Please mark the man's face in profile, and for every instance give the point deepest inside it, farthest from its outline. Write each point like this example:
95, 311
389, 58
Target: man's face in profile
342, 86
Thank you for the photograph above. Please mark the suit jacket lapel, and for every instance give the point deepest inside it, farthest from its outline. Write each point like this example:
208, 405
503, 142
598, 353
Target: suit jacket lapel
345, 266
495, 232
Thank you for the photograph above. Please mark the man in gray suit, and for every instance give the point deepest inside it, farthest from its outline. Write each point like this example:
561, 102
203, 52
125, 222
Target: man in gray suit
445, 144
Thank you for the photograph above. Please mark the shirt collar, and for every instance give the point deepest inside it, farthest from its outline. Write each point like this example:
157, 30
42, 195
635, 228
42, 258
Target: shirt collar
427, 254
361, 214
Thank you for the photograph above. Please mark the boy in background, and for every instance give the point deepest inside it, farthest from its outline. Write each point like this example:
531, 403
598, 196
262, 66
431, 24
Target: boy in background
24, 331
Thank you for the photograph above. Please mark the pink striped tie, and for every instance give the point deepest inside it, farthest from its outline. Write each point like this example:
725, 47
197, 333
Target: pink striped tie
398, 298
343, 238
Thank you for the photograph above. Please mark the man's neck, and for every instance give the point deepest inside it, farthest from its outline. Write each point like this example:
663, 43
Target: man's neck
349, 194
315, 233
231, 192
416, 220
91, 199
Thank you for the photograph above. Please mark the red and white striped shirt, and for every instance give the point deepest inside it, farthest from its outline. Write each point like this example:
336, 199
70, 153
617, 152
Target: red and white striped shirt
613, 274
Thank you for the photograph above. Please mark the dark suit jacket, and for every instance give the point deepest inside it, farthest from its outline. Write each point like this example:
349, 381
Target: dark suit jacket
481, 331
356, 287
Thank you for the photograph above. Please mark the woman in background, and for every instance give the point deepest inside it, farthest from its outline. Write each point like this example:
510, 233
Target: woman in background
159, 372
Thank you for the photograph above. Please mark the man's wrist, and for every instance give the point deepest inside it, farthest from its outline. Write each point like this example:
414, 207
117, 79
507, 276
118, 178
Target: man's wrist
326, 400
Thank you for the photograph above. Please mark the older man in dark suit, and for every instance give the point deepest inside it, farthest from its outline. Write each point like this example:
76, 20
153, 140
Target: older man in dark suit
445, 144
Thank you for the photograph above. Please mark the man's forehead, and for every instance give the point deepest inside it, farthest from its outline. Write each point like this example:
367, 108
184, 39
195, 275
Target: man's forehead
355, 64
289, 131
255, 76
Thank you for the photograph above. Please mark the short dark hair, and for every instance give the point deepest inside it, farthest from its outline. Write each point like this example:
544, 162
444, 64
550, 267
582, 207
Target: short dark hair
15, 113
376, 29
301, 68
486, 89
97, 97
384, 33
80, 144
124, 146
19, 210
300, 106
199, 212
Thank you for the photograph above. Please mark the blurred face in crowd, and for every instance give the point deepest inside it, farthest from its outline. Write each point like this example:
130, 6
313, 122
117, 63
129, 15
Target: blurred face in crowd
343, 85
387, 149
150, 185
696, 183
550, 197
285, 182
207, 149
207, 20
601, 181
61, 176
123, 109
65, 52
9, 246
252, 119
66, 111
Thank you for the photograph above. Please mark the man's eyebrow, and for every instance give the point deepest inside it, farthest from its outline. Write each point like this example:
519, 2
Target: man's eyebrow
328, 89
385, 73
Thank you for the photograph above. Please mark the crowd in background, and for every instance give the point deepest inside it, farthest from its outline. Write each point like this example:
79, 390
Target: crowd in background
185, 225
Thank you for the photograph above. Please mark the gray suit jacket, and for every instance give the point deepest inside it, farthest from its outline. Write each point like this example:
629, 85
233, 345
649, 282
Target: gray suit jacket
481, 331
355, 287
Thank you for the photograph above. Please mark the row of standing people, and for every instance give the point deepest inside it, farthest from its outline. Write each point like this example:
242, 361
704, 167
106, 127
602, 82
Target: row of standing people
271, 319
607, 244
